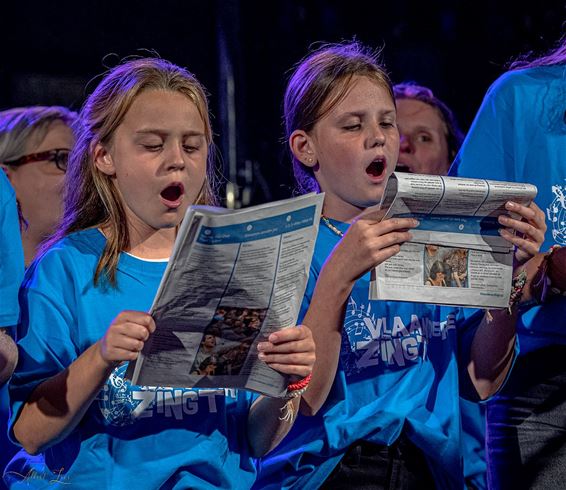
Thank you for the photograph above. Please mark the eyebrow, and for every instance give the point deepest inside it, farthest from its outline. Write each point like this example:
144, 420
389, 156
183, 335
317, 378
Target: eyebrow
161, 132
361, 114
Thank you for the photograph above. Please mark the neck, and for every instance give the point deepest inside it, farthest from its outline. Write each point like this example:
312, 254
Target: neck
149, 243
340, 211
30, 244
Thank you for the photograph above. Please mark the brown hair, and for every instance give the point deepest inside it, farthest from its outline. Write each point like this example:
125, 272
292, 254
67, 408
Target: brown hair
318, 83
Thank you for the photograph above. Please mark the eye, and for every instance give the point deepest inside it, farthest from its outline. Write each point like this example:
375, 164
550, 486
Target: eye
387, 124
352, 127
153, 147
191, 148
424, 138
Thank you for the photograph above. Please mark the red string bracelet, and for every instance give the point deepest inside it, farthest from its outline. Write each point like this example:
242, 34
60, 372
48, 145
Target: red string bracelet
299, 385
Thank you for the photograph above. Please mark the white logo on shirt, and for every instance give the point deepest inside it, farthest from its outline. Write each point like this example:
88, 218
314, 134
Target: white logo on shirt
556, 214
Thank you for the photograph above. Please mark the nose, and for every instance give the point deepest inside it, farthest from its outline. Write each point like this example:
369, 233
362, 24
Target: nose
175, 157
377, 137
404, 144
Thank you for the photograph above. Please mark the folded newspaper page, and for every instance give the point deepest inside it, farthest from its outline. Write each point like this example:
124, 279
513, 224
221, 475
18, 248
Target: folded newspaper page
456, 256
234, 277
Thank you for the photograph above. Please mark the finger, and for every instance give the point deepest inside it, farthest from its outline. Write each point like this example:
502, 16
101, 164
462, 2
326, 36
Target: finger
140, 317
305, 345
116, 354
396, 237
524, 245
298, 332
134, 331
126, 343
393, 224
524, 211
521, 226
300, 371
380, 256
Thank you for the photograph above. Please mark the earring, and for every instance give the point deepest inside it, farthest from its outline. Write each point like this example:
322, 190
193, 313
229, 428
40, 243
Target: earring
310, 159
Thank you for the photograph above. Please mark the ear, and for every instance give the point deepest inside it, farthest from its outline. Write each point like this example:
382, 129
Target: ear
302, 146
103, 160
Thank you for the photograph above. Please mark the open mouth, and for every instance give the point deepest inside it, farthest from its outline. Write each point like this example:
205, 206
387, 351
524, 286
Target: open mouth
377, 167
172, 193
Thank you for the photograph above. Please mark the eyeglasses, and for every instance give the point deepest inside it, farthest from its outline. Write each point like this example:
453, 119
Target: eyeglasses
59, 156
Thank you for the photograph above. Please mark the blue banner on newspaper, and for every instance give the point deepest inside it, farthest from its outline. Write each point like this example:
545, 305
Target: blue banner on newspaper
259, 229
476, 225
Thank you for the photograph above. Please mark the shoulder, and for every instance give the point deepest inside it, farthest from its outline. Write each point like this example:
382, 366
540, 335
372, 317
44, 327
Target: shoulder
524, 80
73, 254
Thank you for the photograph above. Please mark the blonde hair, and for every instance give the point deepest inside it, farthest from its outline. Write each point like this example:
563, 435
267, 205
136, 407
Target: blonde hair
21, 126
91, 199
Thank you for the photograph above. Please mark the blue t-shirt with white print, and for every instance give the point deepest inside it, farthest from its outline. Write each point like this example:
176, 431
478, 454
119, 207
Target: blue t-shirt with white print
131, 436
519, 134
398, 370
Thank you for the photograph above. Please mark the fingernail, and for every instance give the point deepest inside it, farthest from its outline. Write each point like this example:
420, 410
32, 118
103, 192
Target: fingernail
261, 356
510, 205
273, 337
261, 346
417, 222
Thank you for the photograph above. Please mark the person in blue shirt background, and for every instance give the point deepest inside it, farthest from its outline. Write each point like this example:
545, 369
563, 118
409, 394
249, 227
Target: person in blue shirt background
34, 147
430, 140
141, 158
384, 390
11, 274
519, 134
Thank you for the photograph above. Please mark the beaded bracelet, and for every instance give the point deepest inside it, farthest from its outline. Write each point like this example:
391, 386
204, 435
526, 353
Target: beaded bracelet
517, 287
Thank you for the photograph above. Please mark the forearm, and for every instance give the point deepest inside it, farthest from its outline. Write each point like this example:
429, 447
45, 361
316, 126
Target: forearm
268, 423
492, 351
8, 356
325, 318
58, 404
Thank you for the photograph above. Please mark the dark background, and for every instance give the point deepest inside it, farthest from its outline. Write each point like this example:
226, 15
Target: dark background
53, 53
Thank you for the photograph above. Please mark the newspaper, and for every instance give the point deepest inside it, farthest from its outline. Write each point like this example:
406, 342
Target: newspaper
456, 247
234, 277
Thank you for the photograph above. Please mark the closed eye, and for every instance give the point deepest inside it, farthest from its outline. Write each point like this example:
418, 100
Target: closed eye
191, 149
353, 127
153, 147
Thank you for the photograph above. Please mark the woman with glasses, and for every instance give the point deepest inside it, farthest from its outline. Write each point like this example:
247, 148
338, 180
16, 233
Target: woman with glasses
34, 147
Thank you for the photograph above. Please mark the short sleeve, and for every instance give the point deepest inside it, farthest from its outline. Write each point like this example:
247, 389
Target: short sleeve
12, 263
45, 336
488, 149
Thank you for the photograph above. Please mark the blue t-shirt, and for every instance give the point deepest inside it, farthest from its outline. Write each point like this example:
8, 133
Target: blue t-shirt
519, 134
131, 436
398, 370
12, 263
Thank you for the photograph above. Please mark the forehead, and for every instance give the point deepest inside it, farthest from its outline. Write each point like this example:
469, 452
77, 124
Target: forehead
362, 93
163, 108
411, 112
